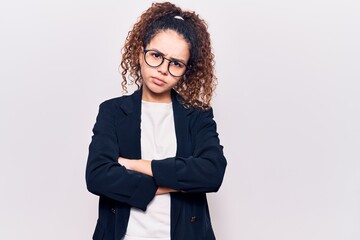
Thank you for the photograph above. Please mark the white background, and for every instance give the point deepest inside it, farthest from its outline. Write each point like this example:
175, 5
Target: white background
287, 108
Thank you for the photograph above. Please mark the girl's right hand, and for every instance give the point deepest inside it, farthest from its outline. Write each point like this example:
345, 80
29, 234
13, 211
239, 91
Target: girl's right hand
164, 190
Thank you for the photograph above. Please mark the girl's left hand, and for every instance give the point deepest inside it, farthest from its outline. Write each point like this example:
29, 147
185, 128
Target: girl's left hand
125, 162
138, 165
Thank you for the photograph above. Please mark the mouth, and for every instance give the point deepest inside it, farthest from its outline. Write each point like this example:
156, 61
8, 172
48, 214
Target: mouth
158, 81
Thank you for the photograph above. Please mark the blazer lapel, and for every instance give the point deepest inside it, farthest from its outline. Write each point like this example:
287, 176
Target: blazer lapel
129, 126
182, 125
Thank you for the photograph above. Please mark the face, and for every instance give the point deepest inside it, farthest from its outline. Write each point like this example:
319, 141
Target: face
157, 81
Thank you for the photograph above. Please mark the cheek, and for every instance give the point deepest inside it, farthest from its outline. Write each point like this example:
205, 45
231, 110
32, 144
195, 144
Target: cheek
141, 60
144, 70
174, 81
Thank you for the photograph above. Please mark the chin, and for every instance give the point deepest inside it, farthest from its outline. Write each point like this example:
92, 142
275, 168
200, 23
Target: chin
157, 89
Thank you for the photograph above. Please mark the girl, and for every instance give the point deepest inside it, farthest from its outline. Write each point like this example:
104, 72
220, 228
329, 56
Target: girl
156, 153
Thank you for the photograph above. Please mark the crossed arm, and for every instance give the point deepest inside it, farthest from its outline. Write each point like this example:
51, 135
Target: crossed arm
142, 166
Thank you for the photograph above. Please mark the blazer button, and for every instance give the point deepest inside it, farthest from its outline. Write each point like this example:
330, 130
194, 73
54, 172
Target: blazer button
113, 210
193, 219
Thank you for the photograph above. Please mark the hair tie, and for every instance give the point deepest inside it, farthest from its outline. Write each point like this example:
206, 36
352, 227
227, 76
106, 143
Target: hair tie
178, 17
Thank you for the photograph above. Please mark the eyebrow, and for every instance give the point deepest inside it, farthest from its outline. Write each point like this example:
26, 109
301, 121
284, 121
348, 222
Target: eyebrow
172, 59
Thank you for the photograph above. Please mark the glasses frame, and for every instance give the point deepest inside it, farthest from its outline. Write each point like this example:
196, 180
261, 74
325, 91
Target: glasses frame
162, 61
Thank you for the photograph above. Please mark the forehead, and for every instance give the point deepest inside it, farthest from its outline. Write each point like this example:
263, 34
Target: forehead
171, 44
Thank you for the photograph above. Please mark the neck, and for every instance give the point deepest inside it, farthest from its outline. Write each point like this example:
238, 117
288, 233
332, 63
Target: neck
149, 96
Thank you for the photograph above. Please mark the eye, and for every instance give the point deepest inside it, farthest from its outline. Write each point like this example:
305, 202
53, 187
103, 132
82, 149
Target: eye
177, 64
156, 55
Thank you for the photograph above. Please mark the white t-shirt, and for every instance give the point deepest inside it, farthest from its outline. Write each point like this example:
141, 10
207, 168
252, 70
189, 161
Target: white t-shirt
158, 141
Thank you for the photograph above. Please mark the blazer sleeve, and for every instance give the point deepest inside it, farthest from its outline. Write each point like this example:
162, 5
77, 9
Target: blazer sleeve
104, 175
201, 172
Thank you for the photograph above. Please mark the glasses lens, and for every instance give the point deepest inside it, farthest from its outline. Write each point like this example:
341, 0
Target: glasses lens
153, 58
177, 69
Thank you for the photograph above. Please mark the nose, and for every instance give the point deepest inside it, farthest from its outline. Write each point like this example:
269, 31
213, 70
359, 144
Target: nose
163, 68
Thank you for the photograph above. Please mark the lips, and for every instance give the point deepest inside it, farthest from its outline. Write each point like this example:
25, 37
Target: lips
158, 81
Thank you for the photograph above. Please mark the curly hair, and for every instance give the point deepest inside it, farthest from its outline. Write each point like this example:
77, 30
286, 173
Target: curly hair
198, 84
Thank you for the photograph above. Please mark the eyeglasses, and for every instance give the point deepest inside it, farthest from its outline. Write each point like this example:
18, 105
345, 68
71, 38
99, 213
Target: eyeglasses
154, 59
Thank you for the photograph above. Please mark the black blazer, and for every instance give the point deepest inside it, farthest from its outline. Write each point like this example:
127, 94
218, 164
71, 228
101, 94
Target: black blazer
197, 168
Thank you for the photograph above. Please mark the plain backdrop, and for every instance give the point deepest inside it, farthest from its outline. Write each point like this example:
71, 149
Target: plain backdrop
287, 108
